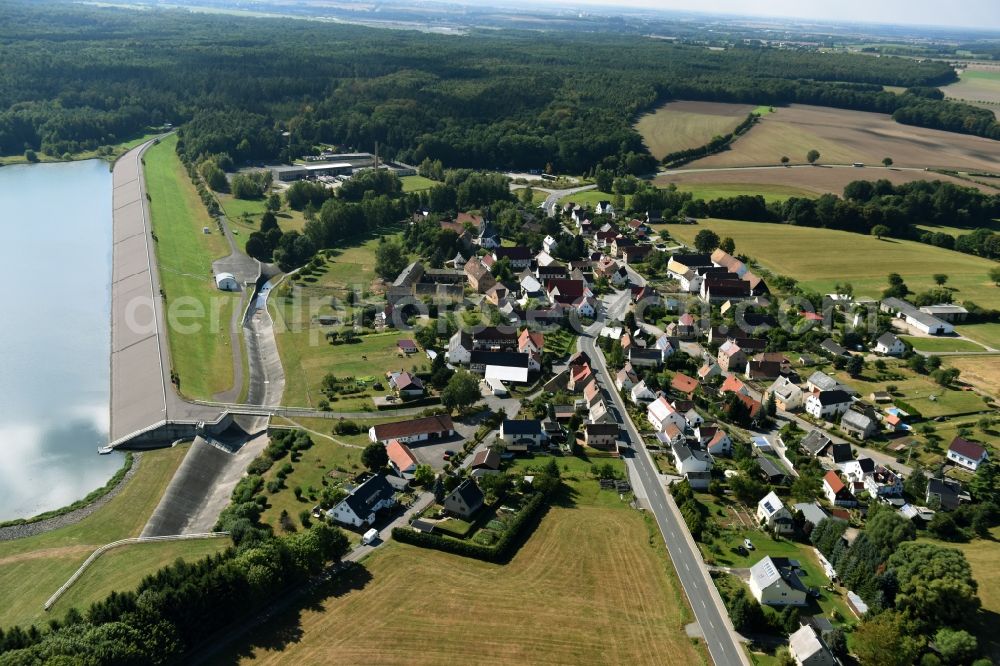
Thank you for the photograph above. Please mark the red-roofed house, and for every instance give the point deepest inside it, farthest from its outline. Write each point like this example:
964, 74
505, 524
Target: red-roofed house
734, 385
969, 455
530, 341
400, 457
683, 384
836, 492
407, 346
415, 430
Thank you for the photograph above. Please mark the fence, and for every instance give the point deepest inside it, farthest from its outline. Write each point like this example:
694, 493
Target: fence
123, 542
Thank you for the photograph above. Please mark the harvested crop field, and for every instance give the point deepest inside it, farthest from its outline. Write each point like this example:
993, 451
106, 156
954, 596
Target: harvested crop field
682, 125
619, 604
981, 371
844, 137
795, 181
820, 258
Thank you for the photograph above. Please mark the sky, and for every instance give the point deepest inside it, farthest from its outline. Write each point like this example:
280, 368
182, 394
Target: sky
983, 14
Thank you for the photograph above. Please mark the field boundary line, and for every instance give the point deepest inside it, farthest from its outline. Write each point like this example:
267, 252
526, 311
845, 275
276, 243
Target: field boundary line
123, 542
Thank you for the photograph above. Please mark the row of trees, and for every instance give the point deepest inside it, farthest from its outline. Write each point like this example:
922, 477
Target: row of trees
878, 208
176, 608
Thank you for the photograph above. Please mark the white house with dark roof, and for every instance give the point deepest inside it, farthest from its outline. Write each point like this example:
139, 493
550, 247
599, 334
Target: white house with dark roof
464, 500
688, 460
361, 505
773, 513
774, 582
889, 345
519, 435
828, 404
969, 455
640, 393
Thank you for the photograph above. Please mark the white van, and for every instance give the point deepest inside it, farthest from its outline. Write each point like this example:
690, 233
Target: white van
370, 536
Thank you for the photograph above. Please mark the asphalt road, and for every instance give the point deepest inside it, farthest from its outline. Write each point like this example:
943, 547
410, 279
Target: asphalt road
700, 590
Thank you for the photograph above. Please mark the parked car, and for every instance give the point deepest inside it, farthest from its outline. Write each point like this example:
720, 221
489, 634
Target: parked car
748, 544
449, 452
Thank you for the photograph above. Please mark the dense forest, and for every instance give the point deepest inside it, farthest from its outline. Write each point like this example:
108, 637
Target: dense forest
78, 77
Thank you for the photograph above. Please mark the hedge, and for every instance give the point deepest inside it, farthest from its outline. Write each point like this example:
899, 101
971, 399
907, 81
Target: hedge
716, 145
913, 412
498, 553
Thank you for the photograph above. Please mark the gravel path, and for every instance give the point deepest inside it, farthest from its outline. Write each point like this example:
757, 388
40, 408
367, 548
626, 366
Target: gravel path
72, 517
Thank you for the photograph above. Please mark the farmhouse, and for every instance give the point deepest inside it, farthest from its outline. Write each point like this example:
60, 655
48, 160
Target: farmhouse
774, 582
772, 513
417, 430
479, 276
889, 345
400, 457
519, 257
946, 312
926, 323
967, 454
464, 500
645, 358
758, 370
361, 505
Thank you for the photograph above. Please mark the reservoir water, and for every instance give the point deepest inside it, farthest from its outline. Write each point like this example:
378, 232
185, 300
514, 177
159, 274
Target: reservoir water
54, 334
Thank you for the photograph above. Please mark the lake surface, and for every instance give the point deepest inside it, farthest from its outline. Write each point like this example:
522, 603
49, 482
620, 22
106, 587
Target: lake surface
55, 334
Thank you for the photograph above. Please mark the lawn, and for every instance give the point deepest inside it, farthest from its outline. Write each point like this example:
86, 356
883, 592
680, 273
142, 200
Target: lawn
941, 344
770, 192
722, 551
590, 198
591, 583
305, 352
977, 86
417, 183
917, 390
331, 456
123, 568
682, 125
820, 258
31, 569
988, 334
244, 216
203, 358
